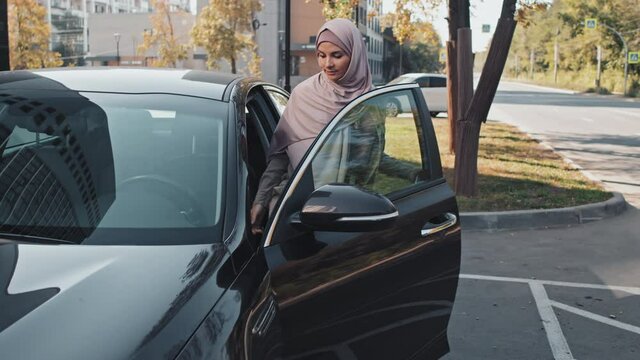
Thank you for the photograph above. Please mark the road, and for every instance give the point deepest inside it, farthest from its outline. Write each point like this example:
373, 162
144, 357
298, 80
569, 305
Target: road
565, 293
601, 134
562, 294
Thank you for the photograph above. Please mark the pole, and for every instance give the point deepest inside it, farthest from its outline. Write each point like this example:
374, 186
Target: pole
626, 56
626, 68
4, 36
599, 72
532, 56
556, 58
117, 38
400, 48
287, 45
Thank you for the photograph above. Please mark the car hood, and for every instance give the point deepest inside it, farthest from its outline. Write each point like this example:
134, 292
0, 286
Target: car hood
105, 302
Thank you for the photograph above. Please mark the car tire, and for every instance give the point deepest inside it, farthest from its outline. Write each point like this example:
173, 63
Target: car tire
434, 113
392, 107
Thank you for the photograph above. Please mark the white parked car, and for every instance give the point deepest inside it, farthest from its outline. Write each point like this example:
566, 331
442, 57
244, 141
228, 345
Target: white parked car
434, 90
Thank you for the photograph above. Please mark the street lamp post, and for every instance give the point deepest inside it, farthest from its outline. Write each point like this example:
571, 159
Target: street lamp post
117, 37
287, 45
4, 36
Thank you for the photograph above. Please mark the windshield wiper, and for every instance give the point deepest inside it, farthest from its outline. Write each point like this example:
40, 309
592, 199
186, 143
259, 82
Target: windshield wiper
34, 239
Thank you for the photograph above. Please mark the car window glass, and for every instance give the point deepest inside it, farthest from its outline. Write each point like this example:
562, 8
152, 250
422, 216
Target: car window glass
75, 164
423, 81
437, 81
369, 149
279, 100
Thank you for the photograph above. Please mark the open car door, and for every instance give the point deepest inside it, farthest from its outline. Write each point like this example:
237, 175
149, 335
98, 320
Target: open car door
364, 244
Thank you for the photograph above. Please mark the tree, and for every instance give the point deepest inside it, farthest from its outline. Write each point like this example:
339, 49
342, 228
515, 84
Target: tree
162, 36
224, 29
333, 9
29, 36
470, 117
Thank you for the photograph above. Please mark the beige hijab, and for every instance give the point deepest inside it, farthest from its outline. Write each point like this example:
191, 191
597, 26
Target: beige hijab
315, 101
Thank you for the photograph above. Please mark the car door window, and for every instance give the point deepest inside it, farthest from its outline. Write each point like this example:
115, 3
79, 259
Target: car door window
278, 99
437, 82
423, 82
374, 151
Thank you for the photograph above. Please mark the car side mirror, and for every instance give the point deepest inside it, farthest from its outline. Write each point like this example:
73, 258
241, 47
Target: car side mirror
341, 207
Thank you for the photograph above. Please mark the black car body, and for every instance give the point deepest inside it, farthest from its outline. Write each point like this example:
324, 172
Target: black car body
124, 234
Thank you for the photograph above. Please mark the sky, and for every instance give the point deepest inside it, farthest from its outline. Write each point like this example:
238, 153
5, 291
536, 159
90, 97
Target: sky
483, 12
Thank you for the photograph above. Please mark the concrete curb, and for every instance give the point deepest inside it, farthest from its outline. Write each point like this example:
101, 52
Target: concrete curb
537, 219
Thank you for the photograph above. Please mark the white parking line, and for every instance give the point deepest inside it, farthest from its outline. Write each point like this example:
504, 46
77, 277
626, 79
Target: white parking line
555, 336
628, 289
623, 112
557, 341
596, 317
587, 119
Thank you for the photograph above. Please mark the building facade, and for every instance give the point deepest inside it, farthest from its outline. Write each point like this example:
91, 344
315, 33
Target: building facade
70, 19
307, 18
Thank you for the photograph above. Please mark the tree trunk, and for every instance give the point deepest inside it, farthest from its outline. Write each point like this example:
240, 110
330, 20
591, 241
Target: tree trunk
452, 88
233, 65
466, 164
465, 71
452, 70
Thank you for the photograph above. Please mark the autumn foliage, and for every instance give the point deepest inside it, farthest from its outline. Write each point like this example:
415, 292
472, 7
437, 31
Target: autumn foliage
29, 36
162, 37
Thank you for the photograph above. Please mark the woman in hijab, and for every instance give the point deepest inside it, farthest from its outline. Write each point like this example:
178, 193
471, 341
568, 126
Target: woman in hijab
344, 75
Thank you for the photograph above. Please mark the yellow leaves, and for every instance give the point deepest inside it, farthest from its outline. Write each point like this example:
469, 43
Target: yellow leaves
224, 30
527, 9
170, 50
405, 27
333, 9
29, 36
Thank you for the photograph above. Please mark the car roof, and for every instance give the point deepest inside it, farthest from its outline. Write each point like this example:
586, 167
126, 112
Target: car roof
415, 75
206, 84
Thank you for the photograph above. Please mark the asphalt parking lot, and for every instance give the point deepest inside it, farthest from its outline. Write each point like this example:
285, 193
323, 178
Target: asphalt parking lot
564, 293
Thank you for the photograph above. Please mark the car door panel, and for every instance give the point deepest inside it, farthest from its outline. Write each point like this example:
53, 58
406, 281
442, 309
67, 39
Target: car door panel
354, 295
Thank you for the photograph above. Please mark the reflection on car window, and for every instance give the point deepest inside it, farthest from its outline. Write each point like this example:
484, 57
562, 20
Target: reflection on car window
374, 151
279, 100
76, 162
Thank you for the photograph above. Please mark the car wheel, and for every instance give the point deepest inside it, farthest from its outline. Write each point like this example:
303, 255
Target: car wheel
393, 108
434, 113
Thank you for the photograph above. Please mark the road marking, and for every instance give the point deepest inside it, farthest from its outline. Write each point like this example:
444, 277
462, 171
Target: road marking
629, 289
596, 317
557, 341
586, 119
623, 112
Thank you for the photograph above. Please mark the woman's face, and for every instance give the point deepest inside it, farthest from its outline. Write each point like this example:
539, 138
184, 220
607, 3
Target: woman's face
333, 61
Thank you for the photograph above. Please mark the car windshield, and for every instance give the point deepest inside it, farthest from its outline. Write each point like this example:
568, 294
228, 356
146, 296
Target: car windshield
101, 168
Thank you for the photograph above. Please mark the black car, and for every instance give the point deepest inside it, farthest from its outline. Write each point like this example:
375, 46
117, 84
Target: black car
124, 231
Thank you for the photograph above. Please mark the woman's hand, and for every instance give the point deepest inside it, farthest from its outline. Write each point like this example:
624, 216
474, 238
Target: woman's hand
257, 215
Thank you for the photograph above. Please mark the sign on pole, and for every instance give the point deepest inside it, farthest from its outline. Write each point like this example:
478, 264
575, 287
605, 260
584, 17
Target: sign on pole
486, 28
443, 56
591, 23
634, 57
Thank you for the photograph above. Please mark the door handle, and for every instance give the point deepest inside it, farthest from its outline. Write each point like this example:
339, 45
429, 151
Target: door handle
431, 228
